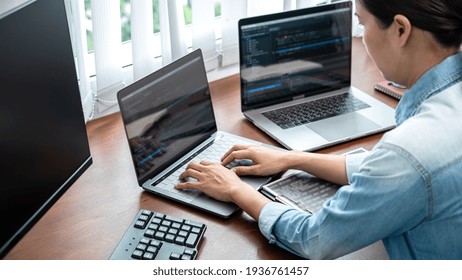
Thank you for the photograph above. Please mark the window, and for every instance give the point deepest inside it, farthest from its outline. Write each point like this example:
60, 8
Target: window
125, 9
117, 42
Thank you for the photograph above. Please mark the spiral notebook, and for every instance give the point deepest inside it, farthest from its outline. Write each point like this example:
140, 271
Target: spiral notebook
390, 88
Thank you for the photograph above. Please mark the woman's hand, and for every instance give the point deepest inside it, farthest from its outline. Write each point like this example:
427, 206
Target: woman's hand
266, 161
223, 184
213, 179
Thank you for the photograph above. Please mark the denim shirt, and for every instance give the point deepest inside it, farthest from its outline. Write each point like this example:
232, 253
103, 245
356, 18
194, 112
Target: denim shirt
407, 191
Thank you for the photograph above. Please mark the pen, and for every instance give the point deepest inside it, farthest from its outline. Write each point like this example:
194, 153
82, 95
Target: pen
287, 201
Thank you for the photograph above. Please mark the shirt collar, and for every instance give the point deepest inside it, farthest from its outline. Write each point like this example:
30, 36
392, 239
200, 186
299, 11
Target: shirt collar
431, 83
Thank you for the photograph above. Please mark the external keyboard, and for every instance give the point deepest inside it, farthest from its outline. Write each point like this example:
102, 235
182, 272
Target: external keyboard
156, 236
304, 113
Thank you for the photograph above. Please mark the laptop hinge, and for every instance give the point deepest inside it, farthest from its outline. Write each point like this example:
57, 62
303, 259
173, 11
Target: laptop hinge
300, 96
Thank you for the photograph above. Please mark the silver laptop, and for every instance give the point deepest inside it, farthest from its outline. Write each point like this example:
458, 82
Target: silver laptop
295, 74
169, 122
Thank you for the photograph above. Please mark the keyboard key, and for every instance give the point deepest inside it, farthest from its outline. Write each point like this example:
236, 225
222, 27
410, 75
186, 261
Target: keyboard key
137, 254
170, 238
153, 226
180, 240
148, 256
152, 249
141, 247
175, 256
176, 225
159, 215
174, 219
186, 228
150, 233
189, 252
192, 239
173, 231
163, 229
143, 218
140, 224
159, 235
191, 223
166, 223
144, 240
196, 230
156, 243
186, 257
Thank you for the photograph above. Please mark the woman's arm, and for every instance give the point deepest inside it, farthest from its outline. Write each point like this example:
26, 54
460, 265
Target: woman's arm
268, 162
331, 168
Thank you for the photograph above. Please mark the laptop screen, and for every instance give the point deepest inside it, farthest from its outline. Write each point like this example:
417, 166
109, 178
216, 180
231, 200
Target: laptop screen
300, 52
166, 114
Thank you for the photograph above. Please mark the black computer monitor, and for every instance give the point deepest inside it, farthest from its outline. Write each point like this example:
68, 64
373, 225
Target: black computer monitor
43, 141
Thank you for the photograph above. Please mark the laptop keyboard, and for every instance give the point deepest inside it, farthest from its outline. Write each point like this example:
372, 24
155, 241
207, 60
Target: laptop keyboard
304, 113
156, 236
212, 152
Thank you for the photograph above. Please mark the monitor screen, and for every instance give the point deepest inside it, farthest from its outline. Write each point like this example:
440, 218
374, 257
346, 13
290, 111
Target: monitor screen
43, 143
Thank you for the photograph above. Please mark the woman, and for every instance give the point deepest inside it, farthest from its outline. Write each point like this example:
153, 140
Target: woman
407, 191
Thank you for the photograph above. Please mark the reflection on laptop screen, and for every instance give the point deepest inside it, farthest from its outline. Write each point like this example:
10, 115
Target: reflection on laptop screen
283, 56
165, 116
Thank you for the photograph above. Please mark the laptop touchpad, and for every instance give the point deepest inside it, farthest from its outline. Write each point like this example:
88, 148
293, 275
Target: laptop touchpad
343, 126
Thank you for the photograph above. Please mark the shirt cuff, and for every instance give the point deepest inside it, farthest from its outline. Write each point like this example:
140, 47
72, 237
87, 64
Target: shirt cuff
353, 162
269, 216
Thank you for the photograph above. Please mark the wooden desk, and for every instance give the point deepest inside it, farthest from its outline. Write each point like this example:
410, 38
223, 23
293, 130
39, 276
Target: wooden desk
88, 221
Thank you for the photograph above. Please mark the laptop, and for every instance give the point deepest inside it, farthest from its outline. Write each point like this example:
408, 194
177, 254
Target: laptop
169, 121
295, 75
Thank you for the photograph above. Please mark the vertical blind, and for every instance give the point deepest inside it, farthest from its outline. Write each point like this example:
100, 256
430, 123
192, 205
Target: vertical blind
111, 63
142, 26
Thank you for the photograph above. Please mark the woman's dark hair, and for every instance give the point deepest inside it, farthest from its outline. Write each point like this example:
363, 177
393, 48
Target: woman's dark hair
442, 18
